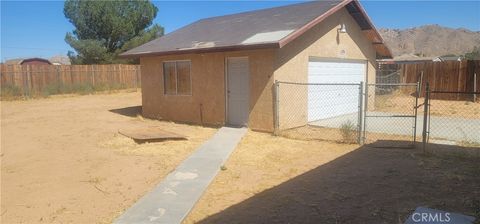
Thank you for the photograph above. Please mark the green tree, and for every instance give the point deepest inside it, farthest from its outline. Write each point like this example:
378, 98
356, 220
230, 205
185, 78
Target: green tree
449, 55
474, 55
104, 29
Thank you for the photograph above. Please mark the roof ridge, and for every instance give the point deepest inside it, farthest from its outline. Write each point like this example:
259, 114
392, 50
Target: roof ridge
270, 8
248, 12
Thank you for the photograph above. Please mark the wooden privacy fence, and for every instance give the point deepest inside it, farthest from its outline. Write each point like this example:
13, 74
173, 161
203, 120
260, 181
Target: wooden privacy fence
30, 80
452, 76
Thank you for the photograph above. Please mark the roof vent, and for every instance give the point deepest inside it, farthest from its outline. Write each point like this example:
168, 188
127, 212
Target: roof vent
197, 44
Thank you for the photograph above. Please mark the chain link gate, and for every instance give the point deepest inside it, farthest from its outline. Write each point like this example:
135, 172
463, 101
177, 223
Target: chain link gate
391, 113
347, 112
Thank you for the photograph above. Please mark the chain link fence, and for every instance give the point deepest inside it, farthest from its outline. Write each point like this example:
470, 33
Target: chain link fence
391, 112
390, 75
358, 113
319, 111
347, 112
453, 118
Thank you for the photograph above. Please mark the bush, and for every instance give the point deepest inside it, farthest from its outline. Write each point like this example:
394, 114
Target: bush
11, 91
349, 132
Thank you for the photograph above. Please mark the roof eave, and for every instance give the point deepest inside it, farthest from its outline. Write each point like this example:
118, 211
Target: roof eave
369, 21
385, 52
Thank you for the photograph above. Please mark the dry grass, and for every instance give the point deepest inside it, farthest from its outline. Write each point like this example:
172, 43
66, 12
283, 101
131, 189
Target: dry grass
278, 180
262, 161
309, 132
337, 135
127, 146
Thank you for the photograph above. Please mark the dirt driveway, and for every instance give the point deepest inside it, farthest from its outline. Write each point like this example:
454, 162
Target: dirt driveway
62, 160
277, 180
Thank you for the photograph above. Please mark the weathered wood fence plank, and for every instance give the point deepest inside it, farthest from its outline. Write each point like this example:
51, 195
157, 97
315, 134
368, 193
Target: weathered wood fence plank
453, 76
36, 79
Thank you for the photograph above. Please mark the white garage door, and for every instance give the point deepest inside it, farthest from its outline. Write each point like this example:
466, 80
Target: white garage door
326, 101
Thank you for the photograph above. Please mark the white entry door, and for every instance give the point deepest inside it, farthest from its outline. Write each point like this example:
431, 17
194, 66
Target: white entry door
237, 91
326, 101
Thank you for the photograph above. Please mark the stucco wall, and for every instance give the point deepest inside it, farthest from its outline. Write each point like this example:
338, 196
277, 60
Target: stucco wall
206, 105
323, 40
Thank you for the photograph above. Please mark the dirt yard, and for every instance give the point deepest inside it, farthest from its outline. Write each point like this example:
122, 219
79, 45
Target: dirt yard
444, 108
62, 160
278, 180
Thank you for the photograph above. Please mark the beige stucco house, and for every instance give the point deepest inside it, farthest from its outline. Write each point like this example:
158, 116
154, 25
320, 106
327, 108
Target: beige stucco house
221, 70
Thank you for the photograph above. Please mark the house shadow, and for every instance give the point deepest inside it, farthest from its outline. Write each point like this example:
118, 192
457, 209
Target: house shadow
368, 185
128, 111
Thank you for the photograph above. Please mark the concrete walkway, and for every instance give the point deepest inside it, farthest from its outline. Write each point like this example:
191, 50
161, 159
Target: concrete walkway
173, 198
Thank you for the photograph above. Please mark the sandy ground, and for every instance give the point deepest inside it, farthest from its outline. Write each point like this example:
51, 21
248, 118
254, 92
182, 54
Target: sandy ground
262, 161
338, 135
62, 160
278, 180
445, 108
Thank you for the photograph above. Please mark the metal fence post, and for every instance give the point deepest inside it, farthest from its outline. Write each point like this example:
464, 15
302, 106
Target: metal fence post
425, 116
360, 113
276, 107
415, 108
421, 83
365, 107
475, 87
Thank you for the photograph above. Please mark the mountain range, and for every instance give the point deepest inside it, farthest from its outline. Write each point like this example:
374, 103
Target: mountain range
429, 41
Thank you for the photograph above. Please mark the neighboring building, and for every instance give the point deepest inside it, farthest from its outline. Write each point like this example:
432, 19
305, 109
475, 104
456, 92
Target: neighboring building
448, 58
15, 61
28, 61
404, 59
60, 60
221, 70
414, 59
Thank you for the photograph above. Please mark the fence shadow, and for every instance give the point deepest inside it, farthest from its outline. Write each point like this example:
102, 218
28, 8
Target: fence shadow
128, 111
368, 185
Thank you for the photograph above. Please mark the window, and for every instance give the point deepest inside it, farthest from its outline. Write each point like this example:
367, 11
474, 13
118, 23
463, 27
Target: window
176, 78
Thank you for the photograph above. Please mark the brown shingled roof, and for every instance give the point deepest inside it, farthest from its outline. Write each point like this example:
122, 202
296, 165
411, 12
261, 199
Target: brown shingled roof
267, 28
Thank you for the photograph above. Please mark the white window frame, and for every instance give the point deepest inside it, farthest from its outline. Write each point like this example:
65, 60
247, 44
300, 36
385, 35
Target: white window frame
176, 78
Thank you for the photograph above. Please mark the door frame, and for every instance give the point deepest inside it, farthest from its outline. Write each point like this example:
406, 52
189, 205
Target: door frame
225, 93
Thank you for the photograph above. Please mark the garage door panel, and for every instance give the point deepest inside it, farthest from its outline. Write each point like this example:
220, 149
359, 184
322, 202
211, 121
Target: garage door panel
335, 78
326, 101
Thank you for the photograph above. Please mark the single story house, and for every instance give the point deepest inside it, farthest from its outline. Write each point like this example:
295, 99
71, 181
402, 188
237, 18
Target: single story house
60, 60
221, 70
28, 61
448, 58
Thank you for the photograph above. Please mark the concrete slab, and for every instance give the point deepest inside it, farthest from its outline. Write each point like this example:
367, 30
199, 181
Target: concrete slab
150, 134
424, 215
173, 198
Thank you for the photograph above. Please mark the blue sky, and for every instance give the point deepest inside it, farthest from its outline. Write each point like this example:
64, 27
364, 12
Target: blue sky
37, 28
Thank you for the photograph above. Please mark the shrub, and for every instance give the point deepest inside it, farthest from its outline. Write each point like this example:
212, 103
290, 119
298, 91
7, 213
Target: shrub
14, 92
11, 91
349, 132
52, 89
